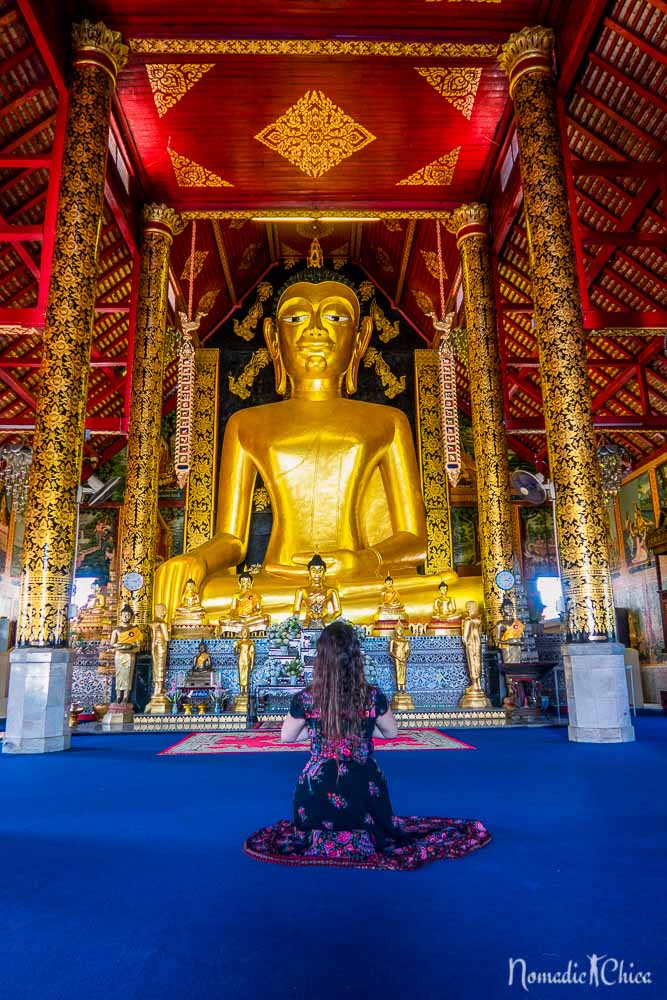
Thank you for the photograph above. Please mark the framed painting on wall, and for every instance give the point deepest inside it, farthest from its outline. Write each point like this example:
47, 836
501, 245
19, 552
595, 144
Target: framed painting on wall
538, 542
637, 518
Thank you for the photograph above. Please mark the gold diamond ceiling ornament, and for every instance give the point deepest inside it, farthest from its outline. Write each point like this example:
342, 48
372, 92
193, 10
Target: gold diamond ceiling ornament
433, 264
199, 261
315, 134
457, 84
438, 173
191, 174
171, 81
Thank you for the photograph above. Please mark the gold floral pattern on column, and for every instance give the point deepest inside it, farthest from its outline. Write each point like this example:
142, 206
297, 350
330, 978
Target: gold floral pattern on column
580, 512
137, 543
200, 500
48, 549
469, 222
435, 489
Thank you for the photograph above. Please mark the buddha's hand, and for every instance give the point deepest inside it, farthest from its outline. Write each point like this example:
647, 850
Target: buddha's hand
345, 563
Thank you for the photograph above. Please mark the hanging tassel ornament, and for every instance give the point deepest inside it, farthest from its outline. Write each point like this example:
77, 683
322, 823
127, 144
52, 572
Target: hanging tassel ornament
186, 380
447, 370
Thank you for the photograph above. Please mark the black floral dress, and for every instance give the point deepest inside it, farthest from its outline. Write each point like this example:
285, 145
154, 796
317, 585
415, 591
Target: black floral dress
342, 810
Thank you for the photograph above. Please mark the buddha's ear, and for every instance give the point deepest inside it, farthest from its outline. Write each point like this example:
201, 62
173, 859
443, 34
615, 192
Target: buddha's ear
273, 345
360, 346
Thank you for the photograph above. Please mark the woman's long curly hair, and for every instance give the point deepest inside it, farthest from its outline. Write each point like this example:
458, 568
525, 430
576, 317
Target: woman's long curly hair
339, 688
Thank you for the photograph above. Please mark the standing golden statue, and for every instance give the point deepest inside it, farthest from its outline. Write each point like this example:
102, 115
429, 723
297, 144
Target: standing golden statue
244, 649
160, 703
317, 604
342, 474
474, 695
445, 619
509, 634
246, 610
399, 650
126, 640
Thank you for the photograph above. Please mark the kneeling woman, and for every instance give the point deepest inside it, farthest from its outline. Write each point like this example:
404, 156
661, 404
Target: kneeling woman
342, 811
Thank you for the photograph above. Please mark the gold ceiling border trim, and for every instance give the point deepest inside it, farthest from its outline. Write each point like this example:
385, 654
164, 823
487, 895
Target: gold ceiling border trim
368, 215
312, 47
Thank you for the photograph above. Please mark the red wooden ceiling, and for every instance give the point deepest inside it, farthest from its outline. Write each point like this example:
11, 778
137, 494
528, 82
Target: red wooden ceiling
614, 92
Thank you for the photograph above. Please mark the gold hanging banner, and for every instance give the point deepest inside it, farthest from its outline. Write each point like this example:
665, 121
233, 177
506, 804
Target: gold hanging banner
186, 388
451, 441
200, 499
439, 551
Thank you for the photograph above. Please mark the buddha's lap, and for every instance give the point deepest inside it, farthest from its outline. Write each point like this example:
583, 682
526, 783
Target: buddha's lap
359, 598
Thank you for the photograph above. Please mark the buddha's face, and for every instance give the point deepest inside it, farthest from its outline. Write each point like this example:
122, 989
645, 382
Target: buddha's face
388, 582
190, 588
316, 572
443, 589
472, 608
245, 583
317, 333
125, 616
160, 612
317, 327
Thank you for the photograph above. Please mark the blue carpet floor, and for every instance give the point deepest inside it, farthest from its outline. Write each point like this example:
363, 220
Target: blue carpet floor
121, 875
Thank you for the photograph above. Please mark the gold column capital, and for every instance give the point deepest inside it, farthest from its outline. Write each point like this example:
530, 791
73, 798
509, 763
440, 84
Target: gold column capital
469, 220
162, 219
527, 51
99, 45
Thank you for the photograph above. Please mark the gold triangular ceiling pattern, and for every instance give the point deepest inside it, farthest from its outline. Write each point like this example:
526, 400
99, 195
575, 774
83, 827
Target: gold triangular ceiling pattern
438, 173
457, 84
191, 174
171, 81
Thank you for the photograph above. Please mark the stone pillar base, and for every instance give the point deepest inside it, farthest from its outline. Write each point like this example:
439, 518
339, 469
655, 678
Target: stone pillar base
117, 717
597, 694
402, 702
40, 691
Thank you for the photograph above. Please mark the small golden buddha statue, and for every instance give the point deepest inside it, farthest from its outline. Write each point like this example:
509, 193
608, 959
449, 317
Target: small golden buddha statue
317, 604
160, 703
244, 649
399, 650
390, 610
246, 610
190, 617
337, 469
445, 619
474, 695
93, 622
509, 634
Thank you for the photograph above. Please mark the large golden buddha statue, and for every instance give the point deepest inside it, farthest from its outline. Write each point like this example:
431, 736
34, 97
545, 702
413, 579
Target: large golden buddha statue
341, 474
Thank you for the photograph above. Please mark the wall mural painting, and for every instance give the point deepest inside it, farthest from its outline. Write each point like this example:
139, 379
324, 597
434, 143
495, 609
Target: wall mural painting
538, 543
465, 541
637, 519
97, 544
661, 477
613, 541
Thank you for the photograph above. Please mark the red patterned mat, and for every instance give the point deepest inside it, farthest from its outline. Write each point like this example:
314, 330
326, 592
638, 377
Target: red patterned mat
269, 741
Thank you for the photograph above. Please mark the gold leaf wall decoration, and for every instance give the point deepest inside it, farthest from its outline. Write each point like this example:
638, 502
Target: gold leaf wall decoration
242, 385
392, 386
424, 301
248, 257
246, 327
386, 329
384, 260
